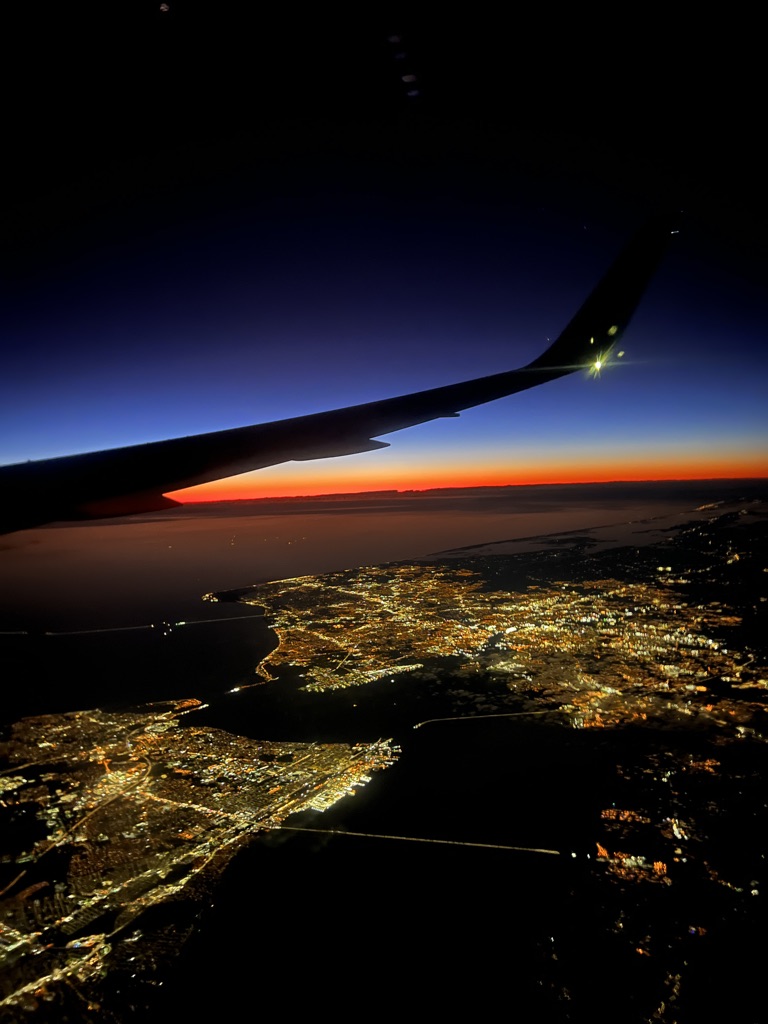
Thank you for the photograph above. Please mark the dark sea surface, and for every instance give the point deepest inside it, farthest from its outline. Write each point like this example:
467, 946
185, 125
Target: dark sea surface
447, 918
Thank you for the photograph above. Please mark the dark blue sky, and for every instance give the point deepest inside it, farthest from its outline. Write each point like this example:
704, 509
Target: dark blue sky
213, 225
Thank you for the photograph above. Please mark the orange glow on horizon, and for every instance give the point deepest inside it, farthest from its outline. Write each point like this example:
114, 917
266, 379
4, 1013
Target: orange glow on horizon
298, 480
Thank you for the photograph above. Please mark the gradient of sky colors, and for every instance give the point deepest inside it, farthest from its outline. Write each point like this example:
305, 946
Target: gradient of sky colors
216, 256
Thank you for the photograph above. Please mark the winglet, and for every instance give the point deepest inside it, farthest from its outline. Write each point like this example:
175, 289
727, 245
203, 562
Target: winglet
600, 322
134, 479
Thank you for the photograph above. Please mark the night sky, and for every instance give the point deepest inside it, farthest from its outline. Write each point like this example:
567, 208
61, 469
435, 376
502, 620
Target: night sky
216, 219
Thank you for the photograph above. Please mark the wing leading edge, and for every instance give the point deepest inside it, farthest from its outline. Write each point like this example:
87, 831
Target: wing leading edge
123, 481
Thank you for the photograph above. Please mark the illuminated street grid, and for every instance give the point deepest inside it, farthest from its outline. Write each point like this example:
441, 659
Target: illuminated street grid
605, 652
134, 813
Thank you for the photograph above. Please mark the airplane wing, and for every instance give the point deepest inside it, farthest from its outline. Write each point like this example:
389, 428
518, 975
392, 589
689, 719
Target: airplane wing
123, 481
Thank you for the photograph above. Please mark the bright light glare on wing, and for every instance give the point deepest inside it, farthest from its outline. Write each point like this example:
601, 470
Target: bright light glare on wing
599, 364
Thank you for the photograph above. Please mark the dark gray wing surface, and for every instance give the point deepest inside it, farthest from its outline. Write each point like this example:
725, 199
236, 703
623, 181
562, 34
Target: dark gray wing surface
122, 481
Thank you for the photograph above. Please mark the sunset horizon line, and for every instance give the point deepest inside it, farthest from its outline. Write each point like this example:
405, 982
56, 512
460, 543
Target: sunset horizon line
381, 491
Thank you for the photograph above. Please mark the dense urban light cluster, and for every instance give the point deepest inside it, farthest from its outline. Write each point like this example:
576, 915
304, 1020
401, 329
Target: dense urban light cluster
136, 813
605, 651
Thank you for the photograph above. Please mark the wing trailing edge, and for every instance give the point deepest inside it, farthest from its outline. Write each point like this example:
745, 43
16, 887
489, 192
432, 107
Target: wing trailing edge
124, 481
